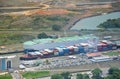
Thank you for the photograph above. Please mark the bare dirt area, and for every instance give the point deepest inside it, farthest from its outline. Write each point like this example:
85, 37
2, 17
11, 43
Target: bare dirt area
10, 48
52, 12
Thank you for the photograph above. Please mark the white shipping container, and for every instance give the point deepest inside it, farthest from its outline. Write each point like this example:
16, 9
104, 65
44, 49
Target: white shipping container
76, 49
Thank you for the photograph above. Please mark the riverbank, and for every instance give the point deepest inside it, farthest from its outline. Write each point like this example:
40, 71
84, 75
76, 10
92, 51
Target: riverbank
86, 15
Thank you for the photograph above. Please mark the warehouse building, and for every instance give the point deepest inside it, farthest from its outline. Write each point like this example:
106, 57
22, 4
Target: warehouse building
91, 55
40, 44
8, 62
101, 59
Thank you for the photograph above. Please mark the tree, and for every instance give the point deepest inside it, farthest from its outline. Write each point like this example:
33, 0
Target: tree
42, 35
79, 76
47, 61
116, 75
113, 69
109, 77
86, 76
97, 73
56, 76
110, 23
56, 27
66, 75
82, 76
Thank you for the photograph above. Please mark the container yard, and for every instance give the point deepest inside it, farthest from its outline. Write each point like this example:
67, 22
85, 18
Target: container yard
46, 48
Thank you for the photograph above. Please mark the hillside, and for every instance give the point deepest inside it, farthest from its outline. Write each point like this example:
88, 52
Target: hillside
12, 2
62, 3
23, 20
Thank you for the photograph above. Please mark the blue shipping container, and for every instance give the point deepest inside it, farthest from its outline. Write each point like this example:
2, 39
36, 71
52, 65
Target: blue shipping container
81, 49
66, 50
29, 50
110, 46
61, 53
105, 48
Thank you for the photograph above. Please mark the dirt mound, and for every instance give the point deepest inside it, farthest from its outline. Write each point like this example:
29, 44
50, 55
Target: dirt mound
52, 12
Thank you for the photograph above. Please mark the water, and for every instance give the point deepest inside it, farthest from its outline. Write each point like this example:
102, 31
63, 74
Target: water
92, 22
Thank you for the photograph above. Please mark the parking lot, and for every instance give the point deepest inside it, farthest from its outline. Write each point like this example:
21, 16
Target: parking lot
60, 62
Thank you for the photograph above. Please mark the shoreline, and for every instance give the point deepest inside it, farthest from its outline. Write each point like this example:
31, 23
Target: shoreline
92, 15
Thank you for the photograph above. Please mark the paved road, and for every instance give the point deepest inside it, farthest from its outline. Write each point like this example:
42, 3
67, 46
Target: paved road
104, 70
16, 75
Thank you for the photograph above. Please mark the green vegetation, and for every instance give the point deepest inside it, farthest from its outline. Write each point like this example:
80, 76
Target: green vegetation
39, 74
63, 75
112, 70
66, 75
6, 76
76, 10
111, 23
116, 6
82, 76
56, 76
56, 27
79, 76
114, 73
112, 53
97, 73
11, 38
42, 35
34, 22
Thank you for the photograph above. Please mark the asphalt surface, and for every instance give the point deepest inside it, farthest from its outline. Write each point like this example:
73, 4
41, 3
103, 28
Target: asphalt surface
16, 75
104, 73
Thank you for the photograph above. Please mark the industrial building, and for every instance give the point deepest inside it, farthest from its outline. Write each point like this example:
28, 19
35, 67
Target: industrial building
40, 44
101, 59
91, 55
9, 62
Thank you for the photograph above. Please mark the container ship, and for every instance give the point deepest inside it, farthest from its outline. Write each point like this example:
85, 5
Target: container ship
44, 48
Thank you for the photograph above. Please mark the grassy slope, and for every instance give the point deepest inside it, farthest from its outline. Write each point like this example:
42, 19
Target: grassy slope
39, 74
27, 23
6, 76
115, 53
35, 22
30, 23
12, 38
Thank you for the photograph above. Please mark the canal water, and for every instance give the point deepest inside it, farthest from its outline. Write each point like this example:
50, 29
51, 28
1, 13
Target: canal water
91, 23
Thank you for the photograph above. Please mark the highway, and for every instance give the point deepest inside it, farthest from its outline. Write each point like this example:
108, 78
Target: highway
104, 73
16, 75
